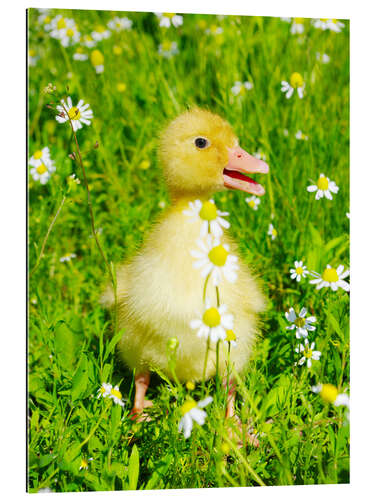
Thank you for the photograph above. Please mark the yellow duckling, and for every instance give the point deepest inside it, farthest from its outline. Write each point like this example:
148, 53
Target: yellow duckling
159, 290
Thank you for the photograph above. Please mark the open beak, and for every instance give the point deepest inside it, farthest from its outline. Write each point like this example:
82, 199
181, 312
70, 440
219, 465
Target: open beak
239, 163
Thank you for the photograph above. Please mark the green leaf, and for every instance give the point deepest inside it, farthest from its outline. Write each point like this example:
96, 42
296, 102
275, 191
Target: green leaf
315, 236
335, 325
335, 242
80, 379
115, 419
66, 345
112, 344
133, 469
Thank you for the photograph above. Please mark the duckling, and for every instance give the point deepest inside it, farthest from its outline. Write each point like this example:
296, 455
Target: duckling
159, 290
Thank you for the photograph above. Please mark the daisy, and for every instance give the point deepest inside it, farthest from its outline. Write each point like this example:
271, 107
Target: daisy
212, 217
116, 395
104, 390
286, 19
121, 87
191, 411
260, 155
302, 325
42, 165
240, 88
97, 60
323, 58
328, 24
45, 19
333, 278
214, 323
80, 114
308, 353
88, 41
70, 36
272, 232
85, 463
166, 19
296, 82
330, 394
214, 30
299, 272
297, 25
324, 187
168, 49
230, 338
80, 55
33, 57
68, 257
120, 23
65, 30
301, 136
253, 202
213, 259
100, 33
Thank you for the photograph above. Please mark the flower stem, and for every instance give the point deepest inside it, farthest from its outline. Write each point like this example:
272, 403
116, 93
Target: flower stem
205, 364
205, 287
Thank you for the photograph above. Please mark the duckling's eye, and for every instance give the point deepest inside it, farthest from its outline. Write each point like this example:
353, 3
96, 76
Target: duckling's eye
201, 142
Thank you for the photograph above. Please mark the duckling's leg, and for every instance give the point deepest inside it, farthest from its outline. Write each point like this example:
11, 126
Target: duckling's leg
142, 381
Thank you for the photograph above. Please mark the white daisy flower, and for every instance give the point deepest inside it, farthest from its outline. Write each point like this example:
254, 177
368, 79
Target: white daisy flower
261, 155
214, 30
85, 463
45, 18
212, 217
272, 232
253, 202
42, 165
100, 33
88, 41
300, 323
120, 23
296, 83
240, 88
32, 57
230, 338
301, 136
297, 25
324, 187
166, 19
213, 323
213, 259
80, 114
333, 278
191, 411
168, 49
65, 30
116, 395
286, 19
299, 271
348, 215
104, 390
323, 58
328, 24
97, 60
330, 394
308, 353
80, 54
67, 257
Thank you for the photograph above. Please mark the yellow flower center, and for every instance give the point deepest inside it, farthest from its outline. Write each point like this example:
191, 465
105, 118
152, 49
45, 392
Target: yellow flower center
211, 317
230, 336
187, 406
202, 23
166, 45
208, 211
218, 255
300, 322
299, 270
74, 113
61, 24
102, 390
32, 53
47, 19
322, 183
42, 169
100, 29
84, 463
330, 275
190, 385
296, 80
88, 38
80, 50
329, 393
121, 87
97, 58
117, 50
243, 90
307, 352
168, 14
144, 165
38, 154
70, 32
252, 203
298, 20
116, 393
274, 232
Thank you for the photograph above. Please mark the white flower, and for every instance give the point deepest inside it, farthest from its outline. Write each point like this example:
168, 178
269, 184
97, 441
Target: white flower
328, 24
33, 57
44, 18
300, 271
214, 323
324, 187
100, 33
297, 25
191, 411
67, 257
272, 232
88, 41
240, 88
302, 325
166, 19
212, 217
85, 463
333, 278
296, 83
260, 155
42, 165
253, 202
120, 23
116, 395
65, 30
213, 258
168, 49
286, 19
308, 353
78, 114
97, 60
323, 58
80, 55
214, 30
301, 136
104, 390
230, 338
330, 394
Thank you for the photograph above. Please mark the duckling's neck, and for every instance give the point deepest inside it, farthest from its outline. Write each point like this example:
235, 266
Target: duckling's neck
180, 201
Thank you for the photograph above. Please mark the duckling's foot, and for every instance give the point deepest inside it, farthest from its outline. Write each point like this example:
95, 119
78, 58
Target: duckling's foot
237, 430
142, 381
139, 415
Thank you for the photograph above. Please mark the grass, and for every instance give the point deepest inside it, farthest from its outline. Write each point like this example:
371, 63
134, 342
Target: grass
71, 345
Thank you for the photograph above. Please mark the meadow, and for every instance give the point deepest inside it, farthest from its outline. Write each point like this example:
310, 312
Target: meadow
136, 76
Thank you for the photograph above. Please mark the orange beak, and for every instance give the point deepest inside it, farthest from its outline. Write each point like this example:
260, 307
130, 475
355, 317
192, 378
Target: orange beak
239, 163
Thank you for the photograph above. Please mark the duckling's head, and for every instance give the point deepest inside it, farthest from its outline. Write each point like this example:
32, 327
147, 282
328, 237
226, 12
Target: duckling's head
200, 155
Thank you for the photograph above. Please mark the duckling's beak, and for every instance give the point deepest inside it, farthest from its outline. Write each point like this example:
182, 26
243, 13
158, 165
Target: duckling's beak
239, 163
